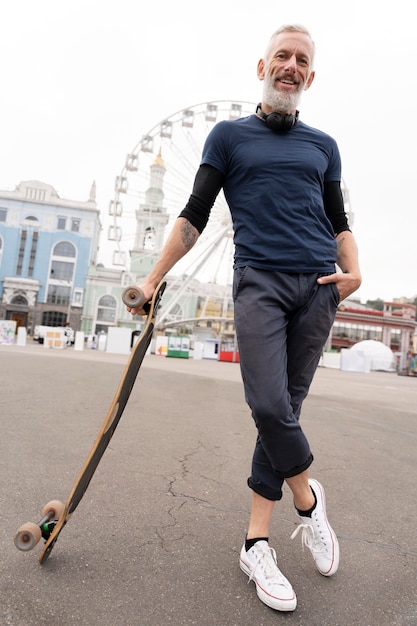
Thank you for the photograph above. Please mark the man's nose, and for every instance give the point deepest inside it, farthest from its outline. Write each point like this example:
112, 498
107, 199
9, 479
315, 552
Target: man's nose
291, 64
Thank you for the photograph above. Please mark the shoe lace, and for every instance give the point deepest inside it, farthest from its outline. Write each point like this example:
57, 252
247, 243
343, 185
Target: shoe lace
270, 567
314, 542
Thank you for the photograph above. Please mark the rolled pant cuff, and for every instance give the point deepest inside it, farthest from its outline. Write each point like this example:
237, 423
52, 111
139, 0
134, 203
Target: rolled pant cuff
264, 490
297, 470
275, 493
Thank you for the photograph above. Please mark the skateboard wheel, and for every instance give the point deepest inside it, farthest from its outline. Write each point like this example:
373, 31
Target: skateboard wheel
27, 536
53, 510
133, 297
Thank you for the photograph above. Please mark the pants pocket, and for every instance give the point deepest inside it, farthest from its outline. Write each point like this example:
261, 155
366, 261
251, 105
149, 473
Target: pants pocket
238, 278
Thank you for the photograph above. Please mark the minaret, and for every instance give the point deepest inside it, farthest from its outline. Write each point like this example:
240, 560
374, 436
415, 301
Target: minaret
93, 192
151, 219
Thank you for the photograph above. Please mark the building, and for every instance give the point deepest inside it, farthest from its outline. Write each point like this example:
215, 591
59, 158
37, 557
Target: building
46, 246
394, 326
49, 276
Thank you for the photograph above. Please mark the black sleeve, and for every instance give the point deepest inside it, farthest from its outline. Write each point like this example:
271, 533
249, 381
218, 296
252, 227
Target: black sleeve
207, 184
334, 207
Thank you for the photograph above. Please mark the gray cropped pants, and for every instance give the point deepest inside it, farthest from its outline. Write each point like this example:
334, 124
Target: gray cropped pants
282, 323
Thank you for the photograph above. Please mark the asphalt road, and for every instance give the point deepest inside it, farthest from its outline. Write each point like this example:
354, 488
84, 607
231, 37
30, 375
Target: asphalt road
155, 541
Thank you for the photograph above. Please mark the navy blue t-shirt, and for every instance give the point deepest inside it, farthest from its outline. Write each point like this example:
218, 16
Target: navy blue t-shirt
273, 184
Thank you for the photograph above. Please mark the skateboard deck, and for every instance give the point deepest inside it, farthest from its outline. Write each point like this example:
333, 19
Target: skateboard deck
55, 515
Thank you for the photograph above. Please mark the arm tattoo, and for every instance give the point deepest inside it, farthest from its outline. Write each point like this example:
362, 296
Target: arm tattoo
189, 235
340, 243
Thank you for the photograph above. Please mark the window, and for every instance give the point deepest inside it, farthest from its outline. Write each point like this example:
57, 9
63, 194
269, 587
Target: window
107, 301
60, 270
19, 300
65, 248
58, 294
21, 255
75, 225
3, 214
356, 332
395, 337
33, 253
53, 318
106, 311
149, 239
62, 223
77, 297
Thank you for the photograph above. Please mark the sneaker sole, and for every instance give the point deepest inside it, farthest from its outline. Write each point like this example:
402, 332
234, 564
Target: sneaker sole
279, 604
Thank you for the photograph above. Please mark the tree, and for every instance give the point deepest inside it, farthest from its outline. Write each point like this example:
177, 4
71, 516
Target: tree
377, 304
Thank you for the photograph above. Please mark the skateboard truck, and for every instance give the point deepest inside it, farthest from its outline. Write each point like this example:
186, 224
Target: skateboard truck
28, 535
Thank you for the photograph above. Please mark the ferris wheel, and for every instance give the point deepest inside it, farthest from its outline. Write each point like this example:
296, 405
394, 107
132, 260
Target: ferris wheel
176, 144
173, 147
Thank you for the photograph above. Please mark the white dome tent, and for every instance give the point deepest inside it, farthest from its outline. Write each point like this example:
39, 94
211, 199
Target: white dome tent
375, 355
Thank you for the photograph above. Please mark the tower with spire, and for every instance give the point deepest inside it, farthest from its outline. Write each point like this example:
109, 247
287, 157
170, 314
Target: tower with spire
151, 219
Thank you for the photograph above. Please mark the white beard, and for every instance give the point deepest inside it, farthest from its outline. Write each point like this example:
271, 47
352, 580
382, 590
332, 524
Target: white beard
283, 102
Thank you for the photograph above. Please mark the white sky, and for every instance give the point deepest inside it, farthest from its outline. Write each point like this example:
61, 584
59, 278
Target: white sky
83, 80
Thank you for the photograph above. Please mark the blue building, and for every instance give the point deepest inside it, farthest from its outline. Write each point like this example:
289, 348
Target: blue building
46, 247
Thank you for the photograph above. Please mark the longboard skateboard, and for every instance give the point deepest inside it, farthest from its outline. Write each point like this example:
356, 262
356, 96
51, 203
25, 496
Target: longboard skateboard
55, 514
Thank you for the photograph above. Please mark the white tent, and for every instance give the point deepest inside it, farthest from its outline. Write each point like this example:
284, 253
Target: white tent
379, 355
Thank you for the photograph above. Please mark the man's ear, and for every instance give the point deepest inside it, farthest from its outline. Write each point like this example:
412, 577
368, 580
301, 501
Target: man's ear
261, 69
309, 81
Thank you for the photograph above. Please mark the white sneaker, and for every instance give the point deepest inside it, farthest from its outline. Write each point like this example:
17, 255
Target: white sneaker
260, 564
318, 535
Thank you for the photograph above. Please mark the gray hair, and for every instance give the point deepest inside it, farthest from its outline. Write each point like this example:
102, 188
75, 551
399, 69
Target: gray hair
291, 28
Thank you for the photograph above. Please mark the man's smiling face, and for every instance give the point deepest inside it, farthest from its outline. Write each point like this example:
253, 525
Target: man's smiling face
286, 71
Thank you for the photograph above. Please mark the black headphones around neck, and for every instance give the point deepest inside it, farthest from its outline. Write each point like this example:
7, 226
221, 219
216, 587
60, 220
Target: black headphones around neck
279, 123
